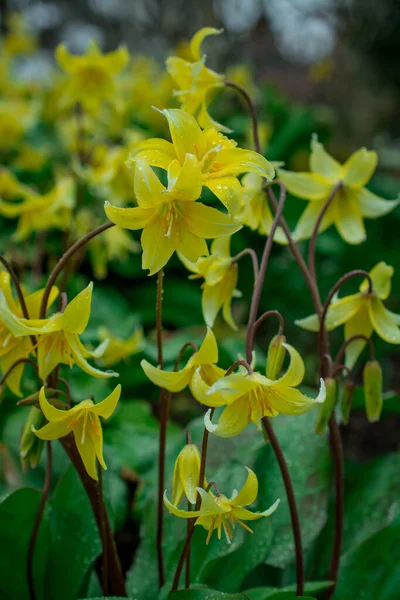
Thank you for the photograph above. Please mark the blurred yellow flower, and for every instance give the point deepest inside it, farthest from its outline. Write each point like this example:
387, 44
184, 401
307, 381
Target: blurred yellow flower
361, 314
171, 218
196, 83
83, 421
217, 512
19, 38
16, 116
30, 158
216, 159
91, 76
352, 202
255, 211
119, 349
11, 188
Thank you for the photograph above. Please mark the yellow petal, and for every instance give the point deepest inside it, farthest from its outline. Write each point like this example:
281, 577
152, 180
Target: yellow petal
381, 276
149, 190
338, 313
349, 221
53, 431
115, 61
106, 407
51, 412
234, 418
178, 512
249, 491
96, 434
371, 206
129, 218
86, 448
308, 219
77, 313
82, 363
209, 505
359, 324
310, 323
207, 222
200, 388
186, 135
246, 515
157, 247
233, 386
34, 301
295, 373
323, 163
16, 326
382, 321
235, 161
208, 351
65, 59
222, 247
290, 401
359, 168
220, 295
156, 152
197, 40
308, 186
228, 190
190, 245
171, 381
21, 350
188, 472
180, 71
49, 353
185, 182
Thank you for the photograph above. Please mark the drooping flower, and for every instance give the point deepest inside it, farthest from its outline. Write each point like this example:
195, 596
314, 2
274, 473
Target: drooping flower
250, 397
217, 512
215, 159
186, 474
220, 275
58, 336
204, 362
171, 218
91, 76
119, 349
84, 422
352, 202
14, 348
197, 84
361, 314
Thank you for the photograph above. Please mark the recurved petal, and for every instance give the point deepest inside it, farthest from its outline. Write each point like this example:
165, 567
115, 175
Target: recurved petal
323, 163
157, 247
209, 505
246, 515
228, 190
338, 313
106, 407
155, 151
51, 412
197, 40
149, 190
186, 135
96, 434
129, 218
76, 315
86, 448
359, 168
234, 418
349, 220
235, 161
249, 491
308, 186
82, 363
382, 321
169, 380
116, 60
381, 276
207, 222
199, 388
208, 351
66, 61
359, 324
290, 401
295, 373
15, 325
178, 512
53, 431
308, 219
185, 182
373, 206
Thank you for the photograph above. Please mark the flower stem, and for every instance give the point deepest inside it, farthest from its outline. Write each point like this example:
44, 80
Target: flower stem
38, 520
264, 316
252, 110
337, 454
18, 362
254, 259
350, 340
294, 515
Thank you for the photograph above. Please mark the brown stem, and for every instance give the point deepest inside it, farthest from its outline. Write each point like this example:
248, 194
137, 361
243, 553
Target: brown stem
294, 515
342, 368
255, 301
351, 339
116, 579
264, 316
188, 554
64, 260
38, 520
181, 352
252, 110
253, 257
18, 362
215, 486
68, 390
33, 398
237, 364
337, 454
103, 514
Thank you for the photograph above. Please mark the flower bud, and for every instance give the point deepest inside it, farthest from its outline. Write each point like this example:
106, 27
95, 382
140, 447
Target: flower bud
347, 400
325, 409
275, 356
30, 446
372, 377
186, 474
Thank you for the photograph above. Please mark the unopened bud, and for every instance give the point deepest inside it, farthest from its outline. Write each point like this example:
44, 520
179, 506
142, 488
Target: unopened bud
347, 400
275, 356
325, 409
30, 446
372, 377
186, 474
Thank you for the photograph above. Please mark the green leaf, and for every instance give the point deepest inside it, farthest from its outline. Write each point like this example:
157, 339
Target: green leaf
17, 515
204, 594
74, 543
274, 593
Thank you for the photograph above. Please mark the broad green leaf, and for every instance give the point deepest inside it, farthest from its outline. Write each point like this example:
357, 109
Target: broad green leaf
273, 593
204, 594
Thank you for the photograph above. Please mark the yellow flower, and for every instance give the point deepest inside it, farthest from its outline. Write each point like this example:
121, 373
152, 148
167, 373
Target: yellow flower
119, 349
16, 116
170, 218
218, 512
38, 213
186, 474
351, 203
215, 159
14, 348
220, 278
11, 188
255, 211
203, 362
19, 39
30, 158
196, 83
84, 422
361, 314
92, 76
114, 244
58, 336
250, 397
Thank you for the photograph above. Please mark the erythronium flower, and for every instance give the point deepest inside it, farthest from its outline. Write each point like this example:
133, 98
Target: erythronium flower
215, 160
250, 397
352, 202
14, 348
58, 337
92, 76
220, 275
197, 83
119, 349
171, 218
84, 422
186, 474
218, 512
204, 361
361, 314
